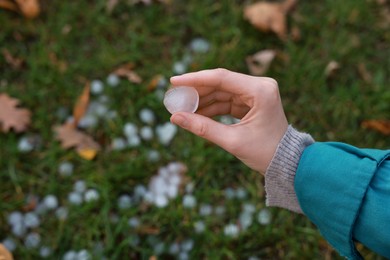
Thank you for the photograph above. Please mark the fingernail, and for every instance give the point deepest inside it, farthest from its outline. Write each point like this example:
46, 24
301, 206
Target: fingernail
180, 121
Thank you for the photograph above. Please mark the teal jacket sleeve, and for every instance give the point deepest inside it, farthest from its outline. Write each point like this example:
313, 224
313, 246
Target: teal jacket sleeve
345, 192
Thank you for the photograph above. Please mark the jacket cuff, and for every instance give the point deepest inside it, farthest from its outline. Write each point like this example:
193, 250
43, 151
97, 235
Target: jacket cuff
280, 175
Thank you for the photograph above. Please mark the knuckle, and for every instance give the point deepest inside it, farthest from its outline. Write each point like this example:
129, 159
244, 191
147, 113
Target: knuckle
201, 130
221, 72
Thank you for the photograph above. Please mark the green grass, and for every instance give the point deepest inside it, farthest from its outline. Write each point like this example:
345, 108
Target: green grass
153, 38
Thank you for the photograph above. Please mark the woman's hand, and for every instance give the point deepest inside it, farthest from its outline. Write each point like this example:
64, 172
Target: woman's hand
254, 100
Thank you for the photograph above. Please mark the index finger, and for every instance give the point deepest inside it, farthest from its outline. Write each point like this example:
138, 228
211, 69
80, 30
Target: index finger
206, 81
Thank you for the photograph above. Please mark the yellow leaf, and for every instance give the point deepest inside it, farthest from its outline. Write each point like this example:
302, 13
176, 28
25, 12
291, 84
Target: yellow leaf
87, 154
81, 105
4, 253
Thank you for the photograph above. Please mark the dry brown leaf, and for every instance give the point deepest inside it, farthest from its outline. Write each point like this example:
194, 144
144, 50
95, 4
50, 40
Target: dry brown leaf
16, 63
11, 116
110, 5
29, 8
154, 82
81, 105
270, 16
127, 71
70, 137
331, 68
258, 64
9, 5
4, 253
382, 126
364, 73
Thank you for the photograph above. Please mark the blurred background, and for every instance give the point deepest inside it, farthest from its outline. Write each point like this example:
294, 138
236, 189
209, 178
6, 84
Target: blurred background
108, 177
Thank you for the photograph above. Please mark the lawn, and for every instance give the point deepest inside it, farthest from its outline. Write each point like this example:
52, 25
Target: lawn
75, 42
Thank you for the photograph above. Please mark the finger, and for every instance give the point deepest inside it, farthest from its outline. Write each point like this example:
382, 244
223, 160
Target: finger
223, 108
204, 127
213, 97
220, 79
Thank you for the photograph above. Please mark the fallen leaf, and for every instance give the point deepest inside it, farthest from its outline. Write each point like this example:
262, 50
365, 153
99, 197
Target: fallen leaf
4, 253
364, 73
258, 63
153, 257
29, 8
331, 68
11, 116
70, 137
382, 126
61, 65
110, 5
16, 63
154, 82
81, 105
127, 71
9, 5
270, 16
87, 153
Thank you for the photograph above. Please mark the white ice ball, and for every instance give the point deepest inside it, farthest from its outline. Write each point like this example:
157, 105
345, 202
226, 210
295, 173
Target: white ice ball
189, 201
32, 240
264, 217
146, 133
80, 186
91, 195
181, 99
75, 198
147, 116
231, 230
65, 168
31, 220
118, 144
50, 201
166, 132
97, 86
113, 80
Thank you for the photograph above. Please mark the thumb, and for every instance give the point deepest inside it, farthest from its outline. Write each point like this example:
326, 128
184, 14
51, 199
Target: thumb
203, 126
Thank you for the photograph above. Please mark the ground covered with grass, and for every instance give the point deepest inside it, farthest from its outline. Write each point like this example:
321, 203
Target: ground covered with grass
55, 204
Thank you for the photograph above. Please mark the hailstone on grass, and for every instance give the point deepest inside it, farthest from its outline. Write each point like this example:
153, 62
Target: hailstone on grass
147, 116
231, 230
91, 195
199, 226
79, 186
61, 213
31, 220
9, 243
146, 133
15, 218
70, 255
199, 45
118, 144
153, 156
205, 210
113, 80
181, 99
124, 201
32, 240
50, 201
166, 132
75, 198
65, 168
264, 217
134, 222
179, 68
25, 145
189, 201
133, 141
97, 87
245, 220
45, 251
